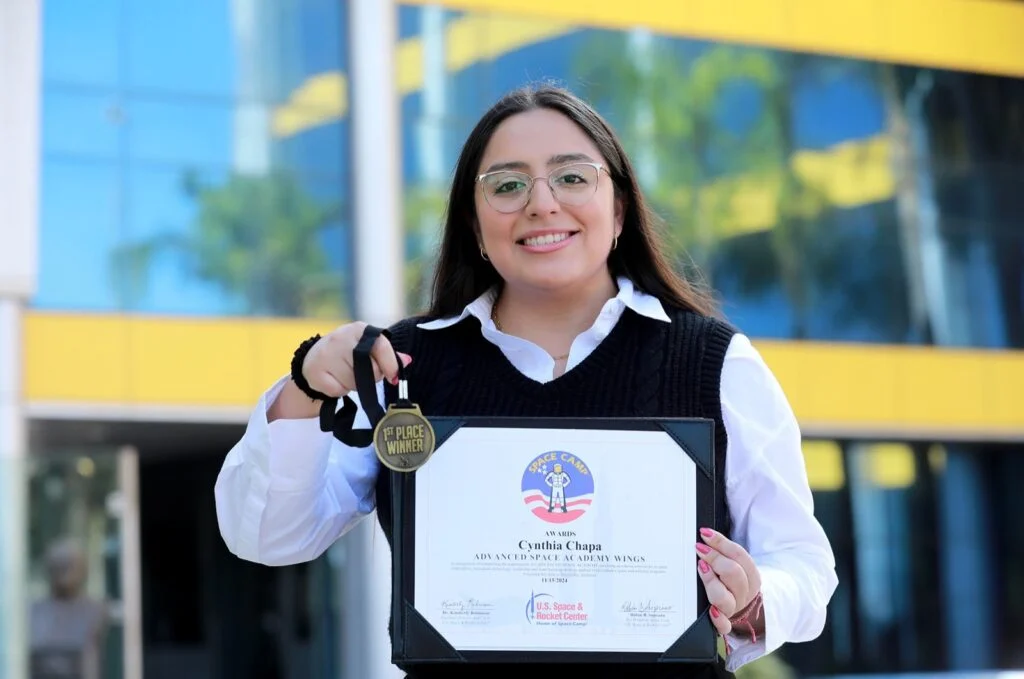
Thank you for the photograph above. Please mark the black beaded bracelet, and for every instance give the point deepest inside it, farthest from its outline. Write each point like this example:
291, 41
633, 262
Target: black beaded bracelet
297, 377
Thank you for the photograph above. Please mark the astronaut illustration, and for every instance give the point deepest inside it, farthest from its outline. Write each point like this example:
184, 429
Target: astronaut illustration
558, 480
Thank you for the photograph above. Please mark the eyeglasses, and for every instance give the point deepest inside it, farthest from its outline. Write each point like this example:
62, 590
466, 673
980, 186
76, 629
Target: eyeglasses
509, 191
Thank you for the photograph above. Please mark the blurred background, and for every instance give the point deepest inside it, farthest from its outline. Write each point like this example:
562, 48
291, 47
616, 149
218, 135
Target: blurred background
188, 188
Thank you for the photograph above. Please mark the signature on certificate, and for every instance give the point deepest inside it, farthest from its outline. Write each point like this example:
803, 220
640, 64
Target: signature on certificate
647, 606
464, 604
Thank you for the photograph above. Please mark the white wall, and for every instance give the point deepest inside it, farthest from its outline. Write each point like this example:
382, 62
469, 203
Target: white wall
20, 45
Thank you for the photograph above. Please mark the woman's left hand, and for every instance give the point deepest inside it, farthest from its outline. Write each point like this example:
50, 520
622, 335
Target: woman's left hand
730, 577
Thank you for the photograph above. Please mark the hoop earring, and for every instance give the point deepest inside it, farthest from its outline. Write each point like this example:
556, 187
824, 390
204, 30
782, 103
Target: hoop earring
483, 254
615, 243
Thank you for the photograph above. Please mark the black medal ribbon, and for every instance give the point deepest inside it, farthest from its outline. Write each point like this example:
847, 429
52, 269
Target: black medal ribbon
341, 422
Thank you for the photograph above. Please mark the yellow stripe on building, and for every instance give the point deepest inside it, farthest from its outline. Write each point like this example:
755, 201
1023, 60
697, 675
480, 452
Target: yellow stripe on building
847, 388
891, 465
468, 40
824, 461
901, 390
846, 175
972, 35
137, 360
852, 173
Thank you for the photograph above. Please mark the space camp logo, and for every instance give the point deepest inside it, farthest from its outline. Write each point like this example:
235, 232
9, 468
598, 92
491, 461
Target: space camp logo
545, 609
558, 487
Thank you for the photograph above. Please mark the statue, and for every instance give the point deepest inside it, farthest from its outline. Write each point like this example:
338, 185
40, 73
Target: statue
67, 628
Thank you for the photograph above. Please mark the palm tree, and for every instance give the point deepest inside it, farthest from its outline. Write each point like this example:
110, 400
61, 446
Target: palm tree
423, 211
262, 239
703, 165
959, 189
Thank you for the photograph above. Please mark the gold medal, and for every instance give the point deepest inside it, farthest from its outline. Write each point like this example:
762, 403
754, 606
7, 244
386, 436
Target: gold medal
403, 438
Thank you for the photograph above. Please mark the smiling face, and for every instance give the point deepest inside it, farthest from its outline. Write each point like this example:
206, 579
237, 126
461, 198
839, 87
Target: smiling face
541, 239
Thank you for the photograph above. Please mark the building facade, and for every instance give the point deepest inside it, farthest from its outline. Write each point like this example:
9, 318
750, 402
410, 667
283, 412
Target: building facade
216, 176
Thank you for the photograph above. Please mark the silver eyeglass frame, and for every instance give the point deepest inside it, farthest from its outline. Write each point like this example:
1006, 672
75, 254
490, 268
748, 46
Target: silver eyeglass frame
533, 181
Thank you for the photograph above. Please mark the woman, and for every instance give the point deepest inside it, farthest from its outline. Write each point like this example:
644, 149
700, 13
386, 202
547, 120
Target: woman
553, 297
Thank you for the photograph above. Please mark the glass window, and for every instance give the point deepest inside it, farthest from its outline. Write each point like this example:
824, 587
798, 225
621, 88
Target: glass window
86, 125
152, 265
247, 50
192, 132
233, 244
322, 150
201, 168
82, 44
193, 47
1008, 555
73, 521
928, 554
79, 226
829, 199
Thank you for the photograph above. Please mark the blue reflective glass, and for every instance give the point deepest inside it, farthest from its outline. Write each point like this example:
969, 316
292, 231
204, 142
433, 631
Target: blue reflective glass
78, 123
82, 42
188, 131
155, 273
192, 90
775, 171
193, 47
79, 227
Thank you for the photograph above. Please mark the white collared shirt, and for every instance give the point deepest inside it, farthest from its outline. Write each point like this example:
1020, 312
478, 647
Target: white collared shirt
287, 491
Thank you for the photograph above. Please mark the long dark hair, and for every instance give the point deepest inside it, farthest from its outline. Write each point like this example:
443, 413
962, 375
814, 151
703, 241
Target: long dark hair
462, 274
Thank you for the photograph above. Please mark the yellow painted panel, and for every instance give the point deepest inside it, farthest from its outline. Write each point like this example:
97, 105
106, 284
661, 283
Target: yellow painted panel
481, 37
901, 388
851, 173
228, 362
971, 35
824, 461
847, 175
891, 465
937, 458
323, 98
320, 100
156, 361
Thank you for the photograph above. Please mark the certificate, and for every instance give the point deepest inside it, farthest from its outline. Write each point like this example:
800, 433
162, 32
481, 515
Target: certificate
555, 540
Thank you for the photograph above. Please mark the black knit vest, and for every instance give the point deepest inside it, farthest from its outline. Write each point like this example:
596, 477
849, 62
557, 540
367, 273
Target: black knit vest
644, 368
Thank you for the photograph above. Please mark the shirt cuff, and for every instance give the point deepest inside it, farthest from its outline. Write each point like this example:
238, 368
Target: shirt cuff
743, 649
298, 451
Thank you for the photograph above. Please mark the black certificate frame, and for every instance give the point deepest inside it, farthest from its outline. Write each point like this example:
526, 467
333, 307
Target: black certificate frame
417, 643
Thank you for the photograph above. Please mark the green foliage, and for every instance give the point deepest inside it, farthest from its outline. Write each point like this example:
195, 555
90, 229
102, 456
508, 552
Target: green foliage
770, 666
666, 103
423, 209
767, 667
667, 100
258, 238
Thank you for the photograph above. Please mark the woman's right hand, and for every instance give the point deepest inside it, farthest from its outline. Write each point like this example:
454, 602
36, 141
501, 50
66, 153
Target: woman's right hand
328, 364
328, 369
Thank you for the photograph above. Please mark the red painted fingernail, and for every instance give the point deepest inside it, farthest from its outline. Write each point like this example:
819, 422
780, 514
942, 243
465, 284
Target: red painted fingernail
707, 532
703, 549
714, 612
406, 358
393, 380
703, 566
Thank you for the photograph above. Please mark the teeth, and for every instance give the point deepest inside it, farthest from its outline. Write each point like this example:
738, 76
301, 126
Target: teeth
546, 240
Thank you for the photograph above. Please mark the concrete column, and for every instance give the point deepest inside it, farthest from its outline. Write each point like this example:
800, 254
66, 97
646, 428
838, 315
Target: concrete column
376, 161
13, 480
379, 257
20, 44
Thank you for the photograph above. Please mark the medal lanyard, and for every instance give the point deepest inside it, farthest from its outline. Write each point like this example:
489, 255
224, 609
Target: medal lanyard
341, 422
402, 437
